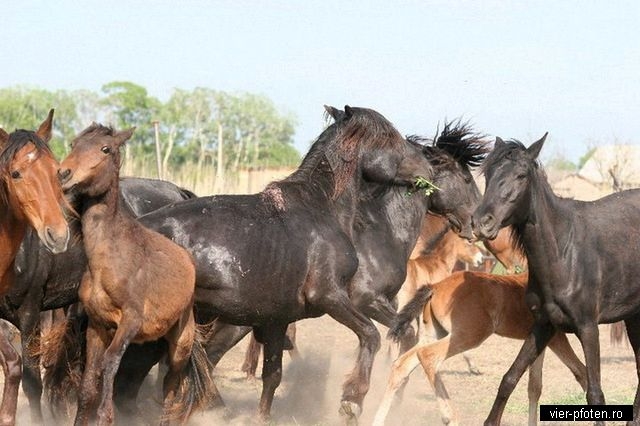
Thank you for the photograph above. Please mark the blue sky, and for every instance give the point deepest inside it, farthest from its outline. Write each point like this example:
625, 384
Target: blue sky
513, 68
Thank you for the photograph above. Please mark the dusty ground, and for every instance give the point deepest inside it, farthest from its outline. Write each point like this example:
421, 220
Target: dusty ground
311, 386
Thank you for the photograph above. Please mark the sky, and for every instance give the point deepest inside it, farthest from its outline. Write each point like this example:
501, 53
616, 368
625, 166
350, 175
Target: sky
514, 69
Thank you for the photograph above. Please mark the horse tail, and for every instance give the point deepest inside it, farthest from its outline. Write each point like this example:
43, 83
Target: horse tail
62, 350
409, 312
617, 331
198, 390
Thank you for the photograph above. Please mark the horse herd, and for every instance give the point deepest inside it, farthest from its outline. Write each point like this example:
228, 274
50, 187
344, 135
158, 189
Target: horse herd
166, 277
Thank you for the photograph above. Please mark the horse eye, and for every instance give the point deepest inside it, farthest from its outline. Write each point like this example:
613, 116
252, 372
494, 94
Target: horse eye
15, 174
521, 176
105, 149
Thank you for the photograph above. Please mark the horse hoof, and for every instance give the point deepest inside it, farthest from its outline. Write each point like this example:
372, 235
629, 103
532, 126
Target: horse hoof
350, 411
475, 371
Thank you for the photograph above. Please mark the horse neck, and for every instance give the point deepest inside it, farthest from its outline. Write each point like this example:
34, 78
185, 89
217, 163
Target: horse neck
100, 215
542, 234
12, 231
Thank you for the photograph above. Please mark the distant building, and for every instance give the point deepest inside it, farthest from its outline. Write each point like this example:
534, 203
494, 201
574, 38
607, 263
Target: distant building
613, 166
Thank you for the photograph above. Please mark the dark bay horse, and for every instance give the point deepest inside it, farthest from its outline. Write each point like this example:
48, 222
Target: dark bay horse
463, 310
44, 281
30, 196
138, 286
288, 253
581, 270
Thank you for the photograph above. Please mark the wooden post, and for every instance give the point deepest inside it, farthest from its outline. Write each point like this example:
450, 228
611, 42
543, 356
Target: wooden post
158, 153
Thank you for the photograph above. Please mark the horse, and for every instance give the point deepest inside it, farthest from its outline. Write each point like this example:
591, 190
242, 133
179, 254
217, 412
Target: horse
30, 197
506, 253
292, 250
138, 286
44, 281
434, 257
463, 310
581, 272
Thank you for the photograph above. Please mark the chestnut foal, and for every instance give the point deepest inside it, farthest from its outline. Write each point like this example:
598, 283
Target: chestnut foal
138, 286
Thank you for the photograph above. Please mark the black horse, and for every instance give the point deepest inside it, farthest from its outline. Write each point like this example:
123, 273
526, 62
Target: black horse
388, 225
44, 281
583, 266
287, 253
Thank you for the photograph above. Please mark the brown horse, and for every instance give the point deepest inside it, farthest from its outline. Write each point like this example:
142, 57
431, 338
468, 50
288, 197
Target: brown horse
138, 286
464, 310
506, 252
29, 196
434, 256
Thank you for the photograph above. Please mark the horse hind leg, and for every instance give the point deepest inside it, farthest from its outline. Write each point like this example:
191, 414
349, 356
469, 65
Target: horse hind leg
12, 367
251, 357
180, 339
398, 377
534, 388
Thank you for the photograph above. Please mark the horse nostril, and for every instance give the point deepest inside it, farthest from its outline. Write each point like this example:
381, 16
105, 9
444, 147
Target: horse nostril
63, 174
487, 221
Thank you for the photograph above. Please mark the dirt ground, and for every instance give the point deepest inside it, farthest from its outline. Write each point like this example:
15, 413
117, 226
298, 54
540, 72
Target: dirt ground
311, 386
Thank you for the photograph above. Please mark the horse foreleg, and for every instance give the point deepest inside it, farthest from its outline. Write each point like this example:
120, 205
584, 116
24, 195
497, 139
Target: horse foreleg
126, 331
589, 339
533, 345
273, 338
95, 347
534, 388
12, 367
29, 318
357, 384
400, 371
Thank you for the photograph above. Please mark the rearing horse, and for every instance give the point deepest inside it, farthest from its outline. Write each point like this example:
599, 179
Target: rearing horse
30, 195
583, 261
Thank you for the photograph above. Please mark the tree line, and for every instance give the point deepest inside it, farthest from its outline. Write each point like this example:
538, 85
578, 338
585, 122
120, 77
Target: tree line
197, 135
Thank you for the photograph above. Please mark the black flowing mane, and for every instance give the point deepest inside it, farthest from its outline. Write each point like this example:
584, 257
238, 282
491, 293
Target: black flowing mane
336, 149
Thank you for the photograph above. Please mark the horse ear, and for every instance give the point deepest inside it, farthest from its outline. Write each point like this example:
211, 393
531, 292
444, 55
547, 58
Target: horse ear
4, 138
334, 112
123, 136
348, 112
536, 147
499, 142
44, 131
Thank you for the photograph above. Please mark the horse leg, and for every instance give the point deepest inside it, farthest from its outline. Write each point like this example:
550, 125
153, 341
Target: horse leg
250, 364
633, 333
589, 339
273, 338
134, 368
533, 345
127, 330
400, 371
534, 388
12, 368
29, 319
473, 368
382, 310
223, 337
95, 347
291, 335
354, 389
560, 346
180, 339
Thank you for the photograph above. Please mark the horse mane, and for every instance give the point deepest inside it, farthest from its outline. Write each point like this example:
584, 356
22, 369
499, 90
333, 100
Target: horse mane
17, 140
339, 144
458, 140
